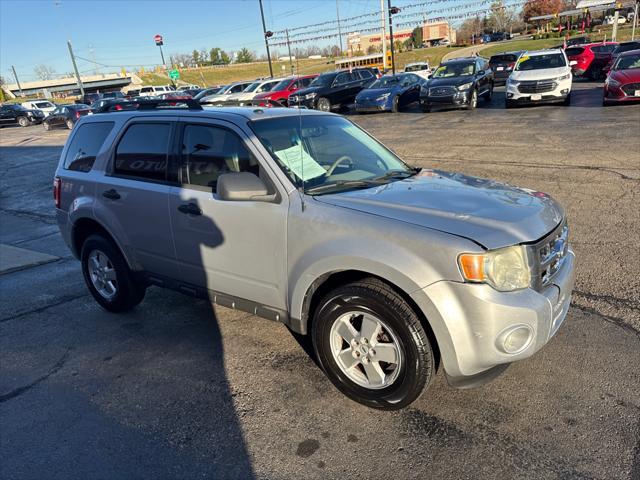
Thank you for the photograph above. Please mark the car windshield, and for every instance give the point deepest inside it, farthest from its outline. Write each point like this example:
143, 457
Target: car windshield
627, 62
283, 85
44, 105
252, 87
457, 69
15, 107
323, 80
541, 62
625, 47
386, 81
416, 68
326, 153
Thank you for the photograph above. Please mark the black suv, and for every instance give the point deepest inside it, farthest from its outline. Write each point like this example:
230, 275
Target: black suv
502, 65
12, 114
458, 83
333, 90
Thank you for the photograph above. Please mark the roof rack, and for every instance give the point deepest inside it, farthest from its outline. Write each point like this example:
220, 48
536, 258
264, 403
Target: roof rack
153, 104
262, 102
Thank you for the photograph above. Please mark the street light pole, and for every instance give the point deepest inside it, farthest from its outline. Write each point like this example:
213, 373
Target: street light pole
384, 37
266, 38
392, 11
339, 31
635, 21
15, 75
289, 47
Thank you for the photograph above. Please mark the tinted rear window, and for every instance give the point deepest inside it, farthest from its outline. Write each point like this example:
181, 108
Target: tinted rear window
504, 58
85, 145
142, 151
574, 51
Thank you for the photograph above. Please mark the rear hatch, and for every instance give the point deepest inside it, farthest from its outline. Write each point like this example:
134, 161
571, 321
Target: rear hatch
503, 64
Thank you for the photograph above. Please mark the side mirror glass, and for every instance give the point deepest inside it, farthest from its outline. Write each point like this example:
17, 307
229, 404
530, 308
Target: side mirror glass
572, 63
243, 187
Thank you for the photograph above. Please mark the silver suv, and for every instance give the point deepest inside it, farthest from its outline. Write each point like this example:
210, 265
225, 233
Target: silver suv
304, 218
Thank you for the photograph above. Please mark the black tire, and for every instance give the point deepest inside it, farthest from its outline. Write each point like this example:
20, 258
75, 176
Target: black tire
129, 293
425, 108
69, 124
374, 297
395, 106
508, 104
489, 94
473, 101
47, 127
23, 121
567, 101
323, 104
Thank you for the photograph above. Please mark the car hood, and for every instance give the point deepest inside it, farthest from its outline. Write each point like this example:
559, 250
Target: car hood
450, 81
374, 93
542, 74
304, 91
492, 214
626, 76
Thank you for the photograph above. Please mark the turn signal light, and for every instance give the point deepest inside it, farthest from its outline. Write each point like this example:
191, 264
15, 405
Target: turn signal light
57, 186
472, 267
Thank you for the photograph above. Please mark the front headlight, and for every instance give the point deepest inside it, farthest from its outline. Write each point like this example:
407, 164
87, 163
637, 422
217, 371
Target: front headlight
309, 96
564, 77
505, 269
465, 86
512, 82
383, 97
612, 83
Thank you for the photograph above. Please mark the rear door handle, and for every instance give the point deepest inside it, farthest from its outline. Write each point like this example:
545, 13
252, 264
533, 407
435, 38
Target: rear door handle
111, 194
190, 209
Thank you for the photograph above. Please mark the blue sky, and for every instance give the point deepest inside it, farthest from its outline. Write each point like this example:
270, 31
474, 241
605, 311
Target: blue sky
120, 33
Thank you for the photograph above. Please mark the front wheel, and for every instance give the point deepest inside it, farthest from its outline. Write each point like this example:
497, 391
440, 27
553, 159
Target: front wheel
567, 101
425, 108
69, 124
47, 126
473, 101
108, 277
323, 104
372, 346
395, 106
489, 94
23, 121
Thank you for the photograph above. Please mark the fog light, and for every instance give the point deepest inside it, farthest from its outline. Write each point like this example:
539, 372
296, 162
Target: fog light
509, 95
565, 91
515, 339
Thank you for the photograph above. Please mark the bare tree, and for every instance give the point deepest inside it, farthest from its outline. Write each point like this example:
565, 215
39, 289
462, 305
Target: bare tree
44, 72
501, 18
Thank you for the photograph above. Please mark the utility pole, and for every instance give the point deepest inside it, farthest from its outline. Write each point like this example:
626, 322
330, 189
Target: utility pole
289, 47
384, 36
392, 11
267, 34
635, 21
15, 75
614, 32
339, 31
75, 68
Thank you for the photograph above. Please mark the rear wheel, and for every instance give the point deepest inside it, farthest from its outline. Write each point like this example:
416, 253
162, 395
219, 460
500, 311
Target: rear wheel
69, 124
372, 345
108, 277
323, 104
23, 121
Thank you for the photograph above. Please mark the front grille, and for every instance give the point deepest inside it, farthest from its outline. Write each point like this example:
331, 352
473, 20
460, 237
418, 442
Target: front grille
442, 91
630, 89
549, 255
540, 86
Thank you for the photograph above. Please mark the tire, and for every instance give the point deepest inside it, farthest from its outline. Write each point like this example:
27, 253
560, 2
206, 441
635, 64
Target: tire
105, 270
425, 108
323, 104
376, 384
69, 124
489, 94
47, 127
508, 104
395, 106
473, 101
567, 101
23, 121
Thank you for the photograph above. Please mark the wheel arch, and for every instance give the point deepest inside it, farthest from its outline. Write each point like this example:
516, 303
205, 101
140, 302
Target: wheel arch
83, 228
328, 281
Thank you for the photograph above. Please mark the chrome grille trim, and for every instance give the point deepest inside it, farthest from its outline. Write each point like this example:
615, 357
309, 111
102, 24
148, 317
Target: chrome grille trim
548, 256
442, 91
630, 89
538, 86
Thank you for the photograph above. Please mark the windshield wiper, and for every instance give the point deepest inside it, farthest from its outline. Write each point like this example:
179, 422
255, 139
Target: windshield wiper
396, 174
339, 184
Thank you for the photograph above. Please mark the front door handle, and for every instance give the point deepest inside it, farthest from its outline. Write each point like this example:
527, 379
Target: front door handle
190, 209
111, 194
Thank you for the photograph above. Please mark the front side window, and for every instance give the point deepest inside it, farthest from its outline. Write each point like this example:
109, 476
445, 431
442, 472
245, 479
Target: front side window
208, 152
541, 62
85, 145
627, 62
342, 78
327, 153
142, 151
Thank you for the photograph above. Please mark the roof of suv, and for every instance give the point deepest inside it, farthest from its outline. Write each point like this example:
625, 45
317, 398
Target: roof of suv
533, 53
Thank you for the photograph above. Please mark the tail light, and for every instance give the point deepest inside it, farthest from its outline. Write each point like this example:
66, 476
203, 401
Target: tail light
57, 186
511, 66
77, 114
118, 107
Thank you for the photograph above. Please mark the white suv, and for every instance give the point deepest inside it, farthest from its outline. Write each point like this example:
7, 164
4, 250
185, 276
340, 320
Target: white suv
542, 76
154, 91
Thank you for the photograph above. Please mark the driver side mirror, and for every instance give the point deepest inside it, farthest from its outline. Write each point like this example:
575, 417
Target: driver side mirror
243, 187
572, 63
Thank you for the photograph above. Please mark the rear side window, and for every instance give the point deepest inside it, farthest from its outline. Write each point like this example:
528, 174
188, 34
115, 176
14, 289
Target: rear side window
142, 151
573, 51
85, 145
365, 74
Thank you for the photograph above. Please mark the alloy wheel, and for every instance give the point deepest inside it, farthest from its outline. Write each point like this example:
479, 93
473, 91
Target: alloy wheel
102, 274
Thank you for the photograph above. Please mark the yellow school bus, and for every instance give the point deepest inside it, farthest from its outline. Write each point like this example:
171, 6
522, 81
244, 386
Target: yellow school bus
374, 60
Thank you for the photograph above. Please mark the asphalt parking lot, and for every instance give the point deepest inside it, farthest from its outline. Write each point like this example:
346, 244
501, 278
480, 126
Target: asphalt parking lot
177, 388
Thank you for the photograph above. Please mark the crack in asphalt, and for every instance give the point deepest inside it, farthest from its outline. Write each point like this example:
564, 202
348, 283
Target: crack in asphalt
46, 218
25, 388
64, 299
620, 322
610, 299
34, 239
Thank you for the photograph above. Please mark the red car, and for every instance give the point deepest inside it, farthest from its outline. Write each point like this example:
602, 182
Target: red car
280, 93
590, 58
623, 82
623, 47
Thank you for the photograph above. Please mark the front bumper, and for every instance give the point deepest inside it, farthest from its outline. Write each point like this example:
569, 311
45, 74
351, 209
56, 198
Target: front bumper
370, 106
298, 102
470, 320
558, 94
459, 99
617, 95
